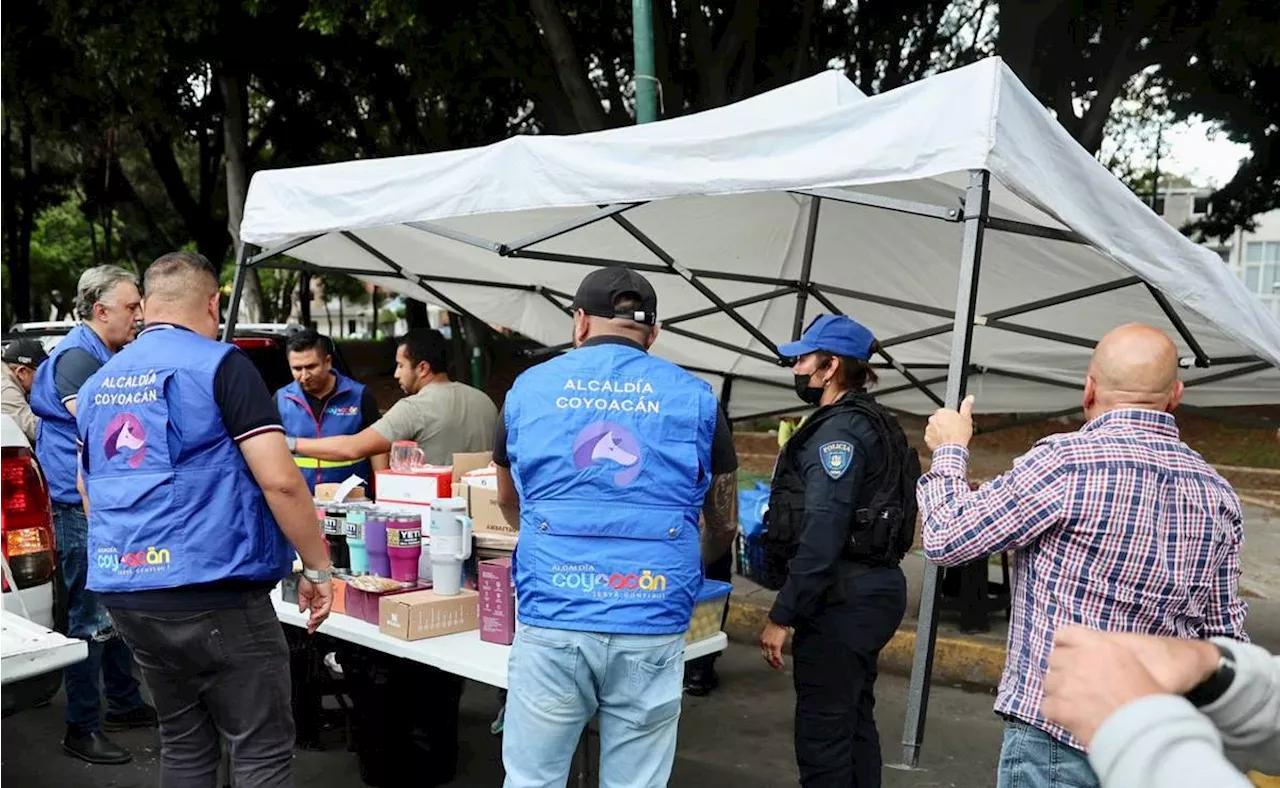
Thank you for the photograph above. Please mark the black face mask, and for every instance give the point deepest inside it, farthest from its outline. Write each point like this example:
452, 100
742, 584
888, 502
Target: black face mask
807, 393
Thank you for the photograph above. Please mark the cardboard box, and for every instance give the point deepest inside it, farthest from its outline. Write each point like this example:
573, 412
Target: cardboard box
395, 488
325, 492
364, 605
486, 515
497, 602
425, 614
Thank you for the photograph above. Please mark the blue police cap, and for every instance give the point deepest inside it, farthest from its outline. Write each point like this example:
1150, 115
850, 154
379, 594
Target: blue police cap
835, 334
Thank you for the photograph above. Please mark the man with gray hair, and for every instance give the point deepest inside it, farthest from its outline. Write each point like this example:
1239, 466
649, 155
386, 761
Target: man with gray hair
109, 307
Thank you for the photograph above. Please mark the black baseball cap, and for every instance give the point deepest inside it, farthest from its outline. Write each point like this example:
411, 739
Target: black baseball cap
600, 290
27, 352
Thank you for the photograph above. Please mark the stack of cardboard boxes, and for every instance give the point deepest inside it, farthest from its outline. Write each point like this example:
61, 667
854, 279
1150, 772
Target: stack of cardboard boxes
416, 614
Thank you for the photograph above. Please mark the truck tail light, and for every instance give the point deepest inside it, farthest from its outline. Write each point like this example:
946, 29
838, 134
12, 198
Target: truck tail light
26, 519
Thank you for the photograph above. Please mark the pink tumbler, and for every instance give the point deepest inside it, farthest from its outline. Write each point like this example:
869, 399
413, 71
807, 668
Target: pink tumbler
404, 546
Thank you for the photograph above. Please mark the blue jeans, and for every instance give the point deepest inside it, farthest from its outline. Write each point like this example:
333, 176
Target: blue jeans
87, 620
559, 679
1031, 758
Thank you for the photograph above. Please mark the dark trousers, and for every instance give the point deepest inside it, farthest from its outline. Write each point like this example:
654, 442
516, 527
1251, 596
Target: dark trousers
108, 669
404, 713
720, 569
216, 673
835, 653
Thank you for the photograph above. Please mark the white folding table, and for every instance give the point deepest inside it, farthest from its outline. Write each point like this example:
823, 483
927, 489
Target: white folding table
462, 654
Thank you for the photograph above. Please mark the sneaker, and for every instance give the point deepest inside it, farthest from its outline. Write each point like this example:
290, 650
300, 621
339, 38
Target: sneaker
142, 717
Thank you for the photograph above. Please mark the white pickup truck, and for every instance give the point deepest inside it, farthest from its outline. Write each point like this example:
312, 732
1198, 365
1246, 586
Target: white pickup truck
32, 655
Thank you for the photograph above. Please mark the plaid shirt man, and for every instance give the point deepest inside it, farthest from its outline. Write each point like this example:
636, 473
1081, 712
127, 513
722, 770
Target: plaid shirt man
1120, 526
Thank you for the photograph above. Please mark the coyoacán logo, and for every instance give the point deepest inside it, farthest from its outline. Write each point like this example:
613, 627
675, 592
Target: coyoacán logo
125, 437
607, 442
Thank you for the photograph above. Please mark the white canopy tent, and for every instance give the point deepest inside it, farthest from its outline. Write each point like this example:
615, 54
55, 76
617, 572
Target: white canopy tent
752, 219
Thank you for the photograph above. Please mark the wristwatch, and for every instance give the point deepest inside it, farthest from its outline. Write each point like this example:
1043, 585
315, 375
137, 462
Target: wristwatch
1216, 685
292, 443
318, 575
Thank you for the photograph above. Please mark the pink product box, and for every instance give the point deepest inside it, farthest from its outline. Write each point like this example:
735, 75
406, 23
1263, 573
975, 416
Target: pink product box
497, 602
364, 604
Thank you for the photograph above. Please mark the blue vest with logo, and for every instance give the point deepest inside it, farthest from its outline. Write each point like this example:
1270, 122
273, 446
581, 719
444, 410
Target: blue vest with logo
610, 452
172, 502
56, 435
342, 416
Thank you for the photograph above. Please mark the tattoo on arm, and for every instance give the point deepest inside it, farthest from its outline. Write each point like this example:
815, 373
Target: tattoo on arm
720, 509
720, 516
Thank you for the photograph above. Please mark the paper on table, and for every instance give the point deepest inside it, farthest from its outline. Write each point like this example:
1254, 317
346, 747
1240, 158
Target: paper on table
346, 487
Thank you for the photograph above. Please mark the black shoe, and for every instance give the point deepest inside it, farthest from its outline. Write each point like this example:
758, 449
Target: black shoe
95, 748
700, 681
142, 717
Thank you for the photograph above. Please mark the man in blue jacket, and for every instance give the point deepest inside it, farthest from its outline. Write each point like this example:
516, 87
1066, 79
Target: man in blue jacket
193, 502
606, 456
321, 403
109, 307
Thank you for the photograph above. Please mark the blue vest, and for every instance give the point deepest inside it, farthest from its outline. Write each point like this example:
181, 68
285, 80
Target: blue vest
171, 500
610, 452
342, 416
56, 435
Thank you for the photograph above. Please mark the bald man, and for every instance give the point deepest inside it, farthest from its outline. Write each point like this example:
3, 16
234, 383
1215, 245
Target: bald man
1118, 526
193, 503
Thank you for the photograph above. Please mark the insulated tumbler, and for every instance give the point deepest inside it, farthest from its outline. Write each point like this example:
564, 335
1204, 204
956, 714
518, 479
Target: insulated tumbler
335, 516
404, 547
375, 542
354, 529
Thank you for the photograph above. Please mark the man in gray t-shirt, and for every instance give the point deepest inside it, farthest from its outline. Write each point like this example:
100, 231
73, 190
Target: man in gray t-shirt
443, 417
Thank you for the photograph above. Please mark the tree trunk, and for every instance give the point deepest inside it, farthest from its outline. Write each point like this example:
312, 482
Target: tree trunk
236, 144
19, 266
587, 110
415, 314
9, 215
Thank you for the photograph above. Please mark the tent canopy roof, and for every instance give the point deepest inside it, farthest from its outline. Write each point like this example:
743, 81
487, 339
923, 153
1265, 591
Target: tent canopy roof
803, 200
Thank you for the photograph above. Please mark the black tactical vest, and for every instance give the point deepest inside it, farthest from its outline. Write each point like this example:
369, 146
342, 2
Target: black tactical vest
882, 520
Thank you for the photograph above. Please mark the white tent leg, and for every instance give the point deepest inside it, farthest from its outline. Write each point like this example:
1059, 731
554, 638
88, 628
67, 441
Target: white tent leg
975, 212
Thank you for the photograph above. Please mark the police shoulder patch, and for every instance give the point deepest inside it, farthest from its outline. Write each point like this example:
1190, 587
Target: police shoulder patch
836, 457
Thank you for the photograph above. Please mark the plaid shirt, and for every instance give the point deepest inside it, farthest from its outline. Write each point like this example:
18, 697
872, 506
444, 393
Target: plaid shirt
1119, 526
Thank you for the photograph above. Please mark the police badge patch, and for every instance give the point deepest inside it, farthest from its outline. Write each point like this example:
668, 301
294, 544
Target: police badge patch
836, 458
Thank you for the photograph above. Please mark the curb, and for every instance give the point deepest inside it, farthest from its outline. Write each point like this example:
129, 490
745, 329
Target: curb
972, 662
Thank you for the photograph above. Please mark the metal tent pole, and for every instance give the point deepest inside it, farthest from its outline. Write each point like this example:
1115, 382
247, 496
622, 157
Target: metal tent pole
806, 266
237, 289
975, 218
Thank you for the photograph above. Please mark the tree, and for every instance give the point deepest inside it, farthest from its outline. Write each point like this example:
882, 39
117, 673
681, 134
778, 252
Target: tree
1232, 76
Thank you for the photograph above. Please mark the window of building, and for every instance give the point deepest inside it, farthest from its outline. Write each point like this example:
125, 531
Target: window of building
1262, 267
1200, 205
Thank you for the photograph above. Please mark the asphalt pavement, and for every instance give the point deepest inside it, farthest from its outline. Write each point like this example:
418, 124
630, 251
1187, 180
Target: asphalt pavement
739, 737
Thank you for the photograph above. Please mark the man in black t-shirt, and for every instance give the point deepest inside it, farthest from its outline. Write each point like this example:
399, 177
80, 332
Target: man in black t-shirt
210, 646
700, 674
